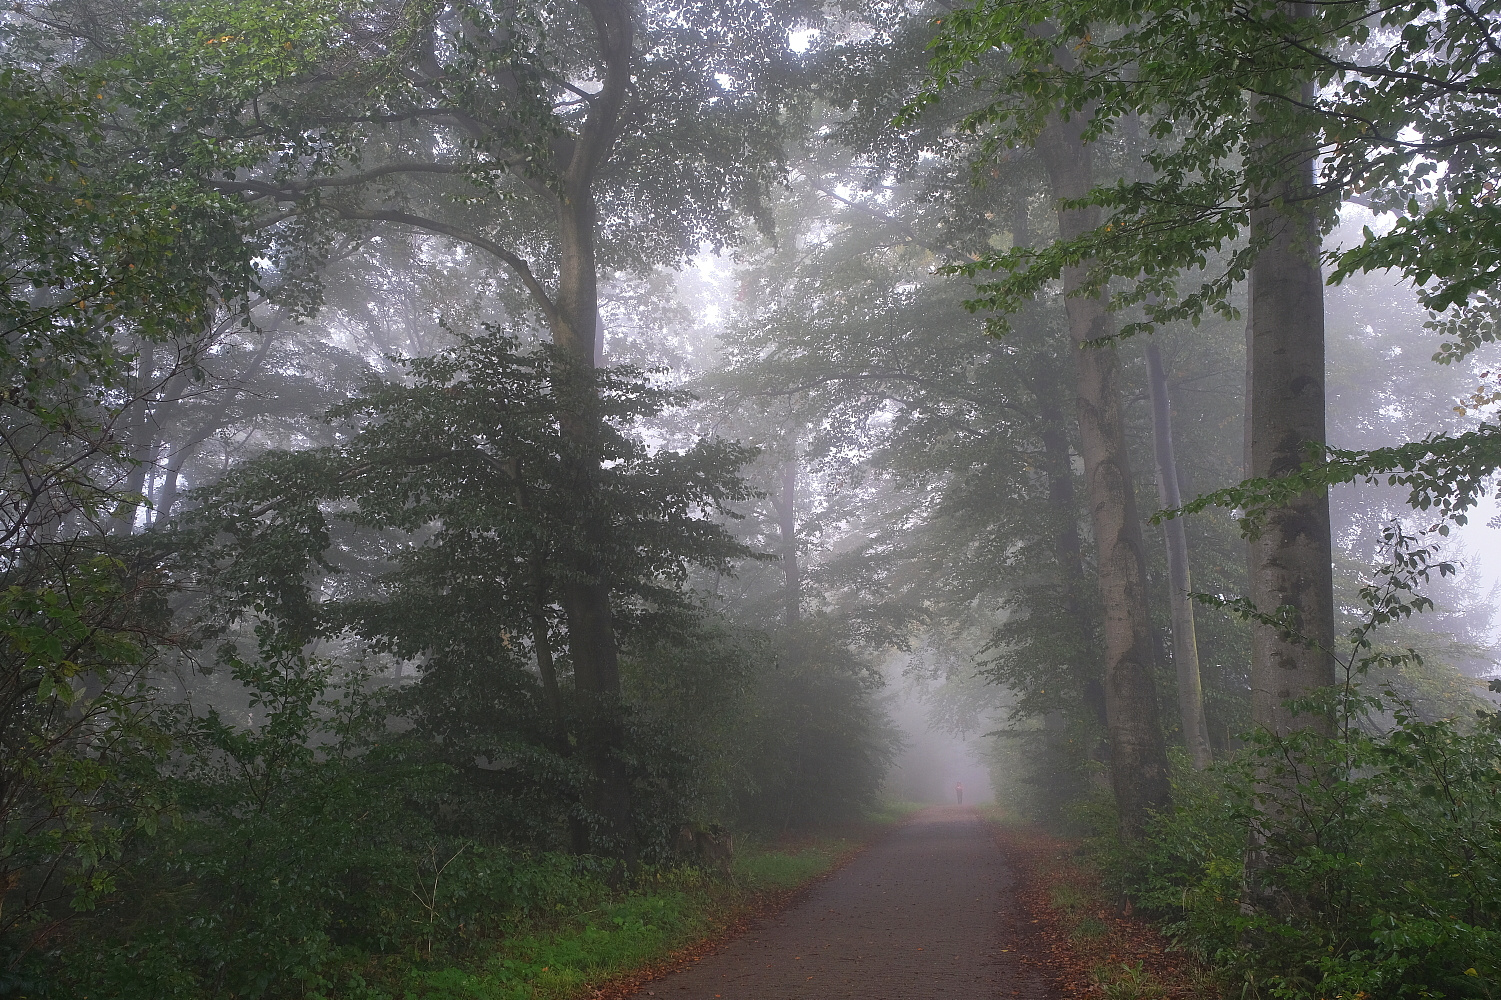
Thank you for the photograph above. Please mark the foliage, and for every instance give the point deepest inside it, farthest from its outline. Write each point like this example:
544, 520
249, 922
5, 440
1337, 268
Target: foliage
1385, 878
79, 750
814, 744
98, 256
1447, 474
1394, 101
1379, 839
470, 463
310, 860
1396, 90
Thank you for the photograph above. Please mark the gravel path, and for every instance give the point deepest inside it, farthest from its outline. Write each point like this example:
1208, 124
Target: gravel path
924, 913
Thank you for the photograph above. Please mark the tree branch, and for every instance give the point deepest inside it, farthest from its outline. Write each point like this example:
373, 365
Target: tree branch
522, 270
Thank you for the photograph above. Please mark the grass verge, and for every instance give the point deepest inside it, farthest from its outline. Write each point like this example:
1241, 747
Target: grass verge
1090, 944
623, 937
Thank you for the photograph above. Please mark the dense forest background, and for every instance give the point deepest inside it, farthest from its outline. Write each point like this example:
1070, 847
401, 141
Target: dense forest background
460, 460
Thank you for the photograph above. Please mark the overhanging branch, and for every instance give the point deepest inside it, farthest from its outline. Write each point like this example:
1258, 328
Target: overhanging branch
509, 258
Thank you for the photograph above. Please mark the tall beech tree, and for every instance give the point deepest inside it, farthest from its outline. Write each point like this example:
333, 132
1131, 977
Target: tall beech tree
1242, 102
1138, 755
1290, 553
1180, 589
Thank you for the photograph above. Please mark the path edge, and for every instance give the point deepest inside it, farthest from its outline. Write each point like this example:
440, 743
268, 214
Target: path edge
765, 905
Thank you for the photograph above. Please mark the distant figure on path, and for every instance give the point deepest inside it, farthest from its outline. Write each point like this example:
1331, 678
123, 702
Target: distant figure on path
959, 791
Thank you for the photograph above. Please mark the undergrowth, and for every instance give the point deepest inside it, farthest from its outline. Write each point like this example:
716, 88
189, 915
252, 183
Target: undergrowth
577, 931
316, 857
1376, 871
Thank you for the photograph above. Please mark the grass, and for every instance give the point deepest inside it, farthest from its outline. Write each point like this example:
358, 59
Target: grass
644, 924
789, 868
1132, 982
571, 954
1068, 898
1089, 942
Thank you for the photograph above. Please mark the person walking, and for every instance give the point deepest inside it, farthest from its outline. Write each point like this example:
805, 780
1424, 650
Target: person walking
959, 791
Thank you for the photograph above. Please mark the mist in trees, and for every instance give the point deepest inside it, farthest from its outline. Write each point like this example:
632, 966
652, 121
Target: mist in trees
525, 447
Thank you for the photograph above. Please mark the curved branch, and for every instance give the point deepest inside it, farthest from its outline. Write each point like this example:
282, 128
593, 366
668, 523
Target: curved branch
289, 190
512, 260
612, 22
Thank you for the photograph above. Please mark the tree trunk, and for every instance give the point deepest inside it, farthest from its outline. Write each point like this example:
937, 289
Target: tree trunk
1068, 548
786, 505
1048, 387
1291, 558
1179, 582
143, 440
1138, 757
585, 592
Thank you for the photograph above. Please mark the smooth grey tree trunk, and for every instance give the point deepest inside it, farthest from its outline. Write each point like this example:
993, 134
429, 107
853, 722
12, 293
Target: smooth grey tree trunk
786, 506
1138, 756
1179, 579
1290, 560
575, 328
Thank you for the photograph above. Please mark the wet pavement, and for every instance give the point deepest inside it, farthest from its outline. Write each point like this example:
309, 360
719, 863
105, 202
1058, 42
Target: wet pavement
925, 913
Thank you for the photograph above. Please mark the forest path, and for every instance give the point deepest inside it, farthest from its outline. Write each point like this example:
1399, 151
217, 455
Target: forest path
926, 912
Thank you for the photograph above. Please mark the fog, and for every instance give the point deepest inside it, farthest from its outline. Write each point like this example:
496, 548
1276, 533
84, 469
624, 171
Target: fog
543, 446
934, 758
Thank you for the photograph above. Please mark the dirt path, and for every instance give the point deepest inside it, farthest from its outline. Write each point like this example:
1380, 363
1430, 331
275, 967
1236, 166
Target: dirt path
925, 913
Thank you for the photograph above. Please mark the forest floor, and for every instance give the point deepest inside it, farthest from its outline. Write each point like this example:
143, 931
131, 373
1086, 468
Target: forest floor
949, 904
624, 938
1085, 942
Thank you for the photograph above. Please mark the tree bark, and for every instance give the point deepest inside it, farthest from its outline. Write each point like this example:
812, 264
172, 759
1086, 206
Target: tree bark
1138, 757
1048, 387
1290, 559
1292, 556
1179, 580
1068, 547
792, 584
585, 592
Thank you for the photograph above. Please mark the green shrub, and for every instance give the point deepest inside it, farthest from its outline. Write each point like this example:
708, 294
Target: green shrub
1375, 842
306, 842
1383, 865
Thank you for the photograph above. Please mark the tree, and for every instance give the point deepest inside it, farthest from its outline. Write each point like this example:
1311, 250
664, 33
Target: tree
549, 139
1243, 102
1138, 757
473, 461
100, 261
1290, 556
1180, 595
